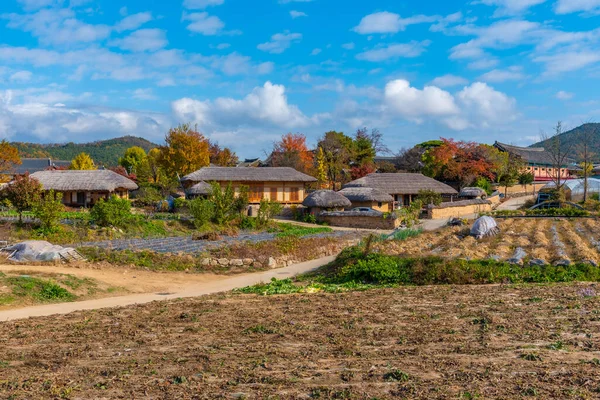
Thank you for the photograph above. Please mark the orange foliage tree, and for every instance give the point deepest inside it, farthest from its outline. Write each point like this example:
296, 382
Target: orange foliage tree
186, 151
291, 151
461, 161
223, 157
9, 156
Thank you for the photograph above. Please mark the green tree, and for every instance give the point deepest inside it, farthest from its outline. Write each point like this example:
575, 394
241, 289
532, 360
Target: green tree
267, 210
48, 210
203, 211
112, 212
224, 203
82, 161
338, 150
429, 197
23, 193
133, 158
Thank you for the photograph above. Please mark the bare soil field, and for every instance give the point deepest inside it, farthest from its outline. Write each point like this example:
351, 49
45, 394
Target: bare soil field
547, 239
430, 342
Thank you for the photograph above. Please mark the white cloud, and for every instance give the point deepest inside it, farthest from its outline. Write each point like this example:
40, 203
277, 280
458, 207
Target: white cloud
57, 26
348, 46
37, 4
562, 95
387, 22
571, 6
509, 7
21, 76
134, 21
297, 14
485, 106
143, 40
415, 104
144, 94
264, 105
394, 51
566, 62
315, 52
449, 80
484, 63
501, 75
201, 4
222, 46
237, 64
205, 24
280, 42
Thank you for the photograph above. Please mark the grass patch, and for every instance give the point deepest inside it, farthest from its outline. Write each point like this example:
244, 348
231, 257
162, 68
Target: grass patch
43, 290
286, 230
288, 286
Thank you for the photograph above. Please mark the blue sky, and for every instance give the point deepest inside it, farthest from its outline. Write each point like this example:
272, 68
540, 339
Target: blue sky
247, 72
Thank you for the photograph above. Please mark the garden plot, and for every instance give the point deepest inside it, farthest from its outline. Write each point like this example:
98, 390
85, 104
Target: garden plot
540, 240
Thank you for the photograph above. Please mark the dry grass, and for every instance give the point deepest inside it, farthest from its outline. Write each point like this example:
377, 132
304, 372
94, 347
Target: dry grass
415, 342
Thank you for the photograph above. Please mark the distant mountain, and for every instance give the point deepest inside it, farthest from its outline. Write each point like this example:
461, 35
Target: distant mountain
572, 140
103, 152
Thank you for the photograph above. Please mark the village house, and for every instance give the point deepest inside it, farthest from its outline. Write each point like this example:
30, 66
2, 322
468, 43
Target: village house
85, 188
538, 162
325, 200
282, 184
368, 197
403, 187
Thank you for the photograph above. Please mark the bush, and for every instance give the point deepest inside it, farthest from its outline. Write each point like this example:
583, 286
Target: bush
248, 223
23, 193
309, 219
202, 210
179, 203
430, 197
48, 210
485, 185
148, 196
267, 210
112, 212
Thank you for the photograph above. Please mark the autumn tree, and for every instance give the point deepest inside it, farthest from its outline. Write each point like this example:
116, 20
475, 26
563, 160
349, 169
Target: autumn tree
291, 151
154, 171
133, 158
82, 161
9, 158
185, 151
338, 150
223, 157
23, 193
321, 168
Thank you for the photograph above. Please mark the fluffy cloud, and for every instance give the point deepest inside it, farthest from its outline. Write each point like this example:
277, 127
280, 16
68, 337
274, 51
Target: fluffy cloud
201, 4
512, 6
143, 40
134, 21
562, 95
477, 105
571, 6
394, 51
387, 22
566, 62
21, 76
297, 14
37, 4
205, 24
501, 75
264, 105
280, 42
348, 46
449, 80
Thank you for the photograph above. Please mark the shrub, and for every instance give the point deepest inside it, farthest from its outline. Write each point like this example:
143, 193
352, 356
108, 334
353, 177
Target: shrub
248, 223
430, 197
179, 203
267, 210
409, 216
202, 210
112, 212
48, 210
309, 219
595, 196
147, 196
485, 185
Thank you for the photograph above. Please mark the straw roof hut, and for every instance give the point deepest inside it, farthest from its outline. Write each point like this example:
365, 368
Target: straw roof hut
325, 200
82, 188
200, 189
368, 197
472, 192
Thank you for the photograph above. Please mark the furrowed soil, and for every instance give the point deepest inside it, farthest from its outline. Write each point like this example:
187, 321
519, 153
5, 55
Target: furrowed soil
431, 342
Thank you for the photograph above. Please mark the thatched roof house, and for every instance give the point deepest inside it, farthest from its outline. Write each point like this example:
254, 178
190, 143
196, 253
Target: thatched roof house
368, 197
200, 189
402, 186
325, 200
83, 188
282, 184
472, 192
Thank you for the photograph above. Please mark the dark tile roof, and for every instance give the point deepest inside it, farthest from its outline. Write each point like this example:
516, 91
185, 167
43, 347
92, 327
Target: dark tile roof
32, 165
401, 183
242, 174
532, 155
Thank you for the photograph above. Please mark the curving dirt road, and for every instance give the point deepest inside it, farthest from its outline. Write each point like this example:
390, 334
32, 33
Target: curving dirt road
162, 286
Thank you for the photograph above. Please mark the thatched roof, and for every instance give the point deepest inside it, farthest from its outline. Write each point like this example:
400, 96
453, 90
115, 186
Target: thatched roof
241, 174
102, 180
360, 194
200, 189
401, 183
326, 199
472, 192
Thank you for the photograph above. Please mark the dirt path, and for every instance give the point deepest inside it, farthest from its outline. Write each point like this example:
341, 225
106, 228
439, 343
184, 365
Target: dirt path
178, 290
514, 203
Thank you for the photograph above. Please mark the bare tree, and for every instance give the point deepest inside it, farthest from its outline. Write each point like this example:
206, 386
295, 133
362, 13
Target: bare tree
559, 153
409, 160
585, 154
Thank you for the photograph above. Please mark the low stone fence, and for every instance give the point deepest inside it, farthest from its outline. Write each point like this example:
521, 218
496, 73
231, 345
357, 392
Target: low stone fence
278, 262
522, 190
458, 208
359, 219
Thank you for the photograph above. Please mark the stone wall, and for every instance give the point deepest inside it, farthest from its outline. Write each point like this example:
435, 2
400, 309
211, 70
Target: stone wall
459, 209
358, 219
280, 261
522, 189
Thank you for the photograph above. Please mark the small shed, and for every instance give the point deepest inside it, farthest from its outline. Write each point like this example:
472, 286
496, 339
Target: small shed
325, 200
368, 197
472, 193
200, 189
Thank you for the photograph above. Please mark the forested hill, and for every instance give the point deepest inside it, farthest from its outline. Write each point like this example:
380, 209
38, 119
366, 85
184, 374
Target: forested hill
103, 152
572, 139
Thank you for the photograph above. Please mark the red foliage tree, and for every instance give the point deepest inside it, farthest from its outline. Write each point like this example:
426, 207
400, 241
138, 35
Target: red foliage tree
291, 151
362, 170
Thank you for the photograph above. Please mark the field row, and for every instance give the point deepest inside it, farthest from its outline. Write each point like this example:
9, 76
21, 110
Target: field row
543, 241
